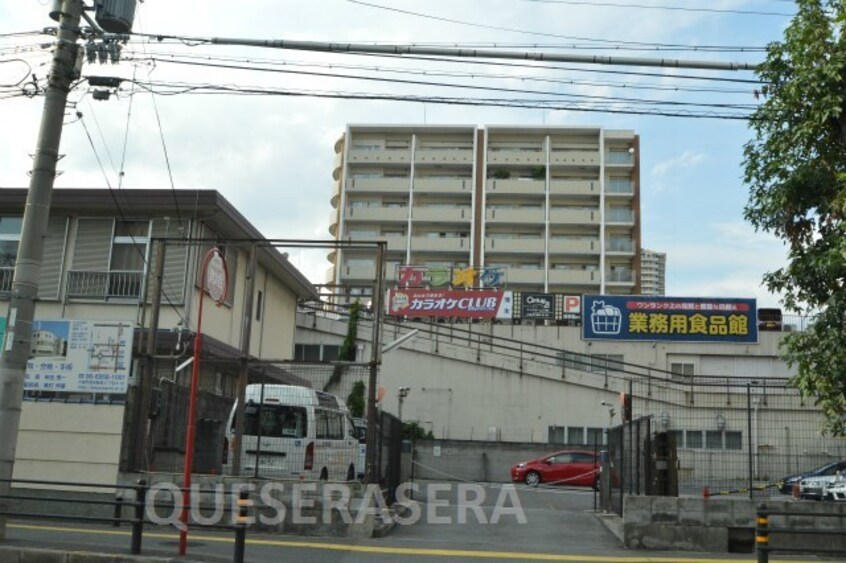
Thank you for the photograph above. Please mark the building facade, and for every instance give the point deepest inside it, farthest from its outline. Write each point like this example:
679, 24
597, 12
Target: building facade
653, 272
555, 208
100, 253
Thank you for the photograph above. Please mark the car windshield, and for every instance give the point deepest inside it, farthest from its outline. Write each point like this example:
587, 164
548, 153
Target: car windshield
277, 421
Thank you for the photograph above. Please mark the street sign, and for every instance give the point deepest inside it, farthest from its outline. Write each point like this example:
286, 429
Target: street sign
216, 277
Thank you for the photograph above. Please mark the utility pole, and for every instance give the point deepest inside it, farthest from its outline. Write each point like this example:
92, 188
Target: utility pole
16, 348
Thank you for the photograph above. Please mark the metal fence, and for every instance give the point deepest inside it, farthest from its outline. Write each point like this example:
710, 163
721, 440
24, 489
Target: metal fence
728, 437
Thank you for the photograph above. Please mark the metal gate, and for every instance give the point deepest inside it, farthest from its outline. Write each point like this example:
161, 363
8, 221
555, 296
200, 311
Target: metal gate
630, 450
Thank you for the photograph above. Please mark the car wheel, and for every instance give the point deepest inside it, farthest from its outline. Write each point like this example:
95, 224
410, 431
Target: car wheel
532, 478
596, 484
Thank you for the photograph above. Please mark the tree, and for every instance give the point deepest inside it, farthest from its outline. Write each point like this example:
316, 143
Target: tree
795, 167
355, 400
348, 347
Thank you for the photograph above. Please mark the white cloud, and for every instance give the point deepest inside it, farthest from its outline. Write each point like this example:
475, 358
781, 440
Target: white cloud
680, 164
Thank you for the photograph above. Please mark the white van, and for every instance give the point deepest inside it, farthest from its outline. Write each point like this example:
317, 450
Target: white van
302, 433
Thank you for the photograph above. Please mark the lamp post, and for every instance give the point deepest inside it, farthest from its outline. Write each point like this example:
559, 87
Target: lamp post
214, 280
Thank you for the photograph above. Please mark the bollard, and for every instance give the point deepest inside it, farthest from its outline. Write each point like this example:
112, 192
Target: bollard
244, 504
118, 509
138, 521
795, 491
762, 534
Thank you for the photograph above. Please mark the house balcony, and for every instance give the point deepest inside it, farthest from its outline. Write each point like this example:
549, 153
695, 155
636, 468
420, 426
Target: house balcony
574, 158
379, 156
377, 214
574, 216
393, 185
620, 247
624, 278
526, 216
444, 185
580, 246
446, 244
574, 187
444, 156
619, 216
506, 156
516, 187
105, 285
514, 246
574, 277
358, 273
441, 214
6, 275
524, 276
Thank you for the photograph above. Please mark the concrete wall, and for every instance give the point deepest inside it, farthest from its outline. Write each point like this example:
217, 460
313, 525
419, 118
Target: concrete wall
725, 524
69, 442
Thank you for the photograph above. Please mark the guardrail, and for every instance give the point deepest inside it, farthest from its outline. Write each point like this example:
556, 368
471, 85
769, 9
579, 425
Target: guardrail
763, 533
138, 504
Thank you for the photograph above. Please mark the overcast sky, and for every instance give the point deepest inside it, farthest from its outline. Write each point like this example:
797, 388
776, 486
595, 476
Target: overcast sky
272, 155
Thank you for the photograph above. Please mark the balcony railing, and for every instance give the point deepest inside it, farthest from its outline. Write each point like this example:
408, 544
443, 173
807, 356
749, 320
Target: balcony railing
619, 245
619, 276
115, 284
6, 275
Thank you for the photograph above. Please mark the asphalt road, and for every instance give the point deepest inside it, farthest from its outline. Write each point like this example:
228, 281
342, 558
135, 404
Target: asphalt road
559, 526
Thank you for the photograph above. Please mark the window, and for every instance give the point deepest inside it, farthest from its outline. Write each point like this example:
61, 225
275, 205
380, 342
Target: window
557, 435
606, 363
330, 425
277, 421
316, 352
259, 304
681, 371
10, 237
595, 436
694, 438
129, 255
575, 435
714, 439
678, 436
572, 360
734, 440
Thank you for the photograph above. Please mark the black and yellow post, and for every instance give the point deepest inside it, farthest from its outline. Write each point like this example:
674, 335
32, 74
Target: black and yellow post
762, 534
241, 521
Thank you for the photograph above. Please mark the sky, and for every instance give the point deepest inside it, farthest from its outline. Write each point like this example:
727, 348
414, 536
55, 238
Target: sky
272, 155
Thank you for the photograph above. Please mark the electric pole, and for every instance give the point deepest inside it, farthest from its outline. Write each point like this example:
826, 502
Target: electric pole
16, 347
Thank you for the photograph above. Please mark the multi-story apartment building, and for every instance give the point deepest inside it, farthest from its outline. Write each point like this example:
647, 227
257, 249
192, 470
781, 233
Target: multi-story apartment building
653, 272
556, 208
99, 254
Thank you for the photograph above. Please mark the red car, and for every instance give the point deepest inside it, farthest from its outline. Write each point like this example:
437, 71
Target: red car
567, 467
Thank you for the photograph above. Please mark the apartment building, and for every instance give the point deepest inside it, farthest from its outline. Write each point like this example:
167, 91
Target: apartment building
653, 272
81, 419
556, 209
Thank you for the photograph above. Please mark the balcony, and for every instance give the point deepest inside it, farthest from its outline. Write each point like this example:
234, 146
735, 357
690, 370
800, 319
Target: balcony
358, 273
574, 187
620, 276
515, 245
444, 156
574, 216
504, 215
574, 277
379, 156
437, 214
443, 185
392, 185
622, 216
620, 246
574, 158
377, 214
619, 187
516, 187
103, 286
619, 158
574, 246
524, 276
516, 156
437, 244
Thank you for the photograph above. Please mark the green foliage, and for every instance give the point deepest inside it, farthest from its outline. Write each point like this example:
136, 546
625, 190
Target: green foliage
501, 174
539, 173
795, 167
348, 347
355, 400
413, 431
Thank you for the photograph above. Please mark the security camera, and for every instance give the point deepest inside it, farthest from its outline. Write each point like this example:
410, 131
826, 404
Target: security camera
404, 389
605, 404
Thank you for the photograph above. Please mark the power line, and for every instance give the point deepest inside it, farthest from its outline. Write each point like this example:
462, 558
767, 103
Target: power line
594, 4
556, 105
509, 29
461, 86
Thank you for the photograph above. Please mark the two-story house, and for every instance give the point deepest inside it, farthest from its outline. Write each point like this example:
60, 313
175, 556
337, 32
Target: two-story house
81, 418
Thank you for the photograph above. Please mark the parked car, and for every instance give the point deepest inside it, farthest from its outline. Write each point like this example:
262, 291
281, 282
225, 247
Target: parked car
817, 488
837, 492
786, 484
567, 467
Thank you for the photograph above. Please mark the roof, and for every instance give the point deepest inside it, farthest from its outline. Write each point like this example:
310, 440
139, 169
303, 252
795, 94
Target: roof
208, 206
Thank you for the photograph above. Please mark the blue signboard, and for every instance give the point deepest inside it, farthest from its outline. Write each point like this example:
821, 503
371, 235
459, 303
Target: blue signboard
685, 319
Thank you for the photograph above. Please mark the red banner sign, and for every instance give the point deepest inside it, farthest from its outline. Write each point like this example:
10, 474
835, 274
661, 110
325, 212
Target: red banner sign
482, 304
